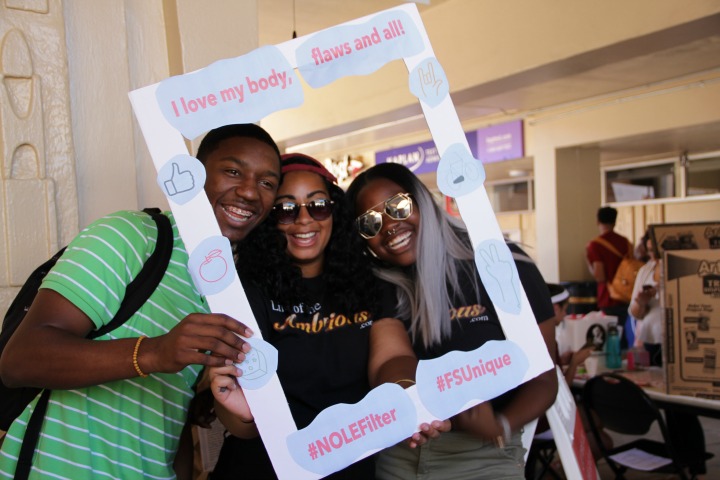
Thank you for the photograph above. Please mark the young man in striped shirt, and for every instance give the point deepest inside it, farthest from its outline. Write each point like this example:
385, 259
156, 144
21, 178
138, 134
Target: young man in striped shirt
119, 403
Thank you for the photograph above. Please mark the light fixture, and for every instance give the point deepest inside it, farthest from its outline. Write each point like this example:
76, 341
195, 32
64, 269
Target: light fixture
518, 172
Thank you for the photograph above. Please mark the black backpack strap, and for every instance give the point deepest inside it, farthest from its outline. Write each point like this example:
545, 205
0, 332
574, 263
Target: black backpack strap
139, 290
136, 294
32, 433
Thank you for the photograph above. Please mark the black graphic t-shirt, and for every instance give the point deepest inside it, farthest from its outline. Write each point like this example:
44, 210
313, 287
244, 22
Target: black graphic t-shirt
475, 321
322, 361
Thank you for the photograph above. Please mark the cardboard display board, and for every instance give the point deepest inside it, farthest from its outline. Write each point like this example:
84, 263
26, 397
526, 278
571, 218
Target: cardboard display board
692, 322
684, 236
244, 90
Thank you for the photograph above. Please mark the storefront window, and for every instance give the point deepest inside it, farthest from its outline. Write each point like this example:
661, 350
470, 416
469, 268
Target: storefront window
703, 176
511, 197
641, 183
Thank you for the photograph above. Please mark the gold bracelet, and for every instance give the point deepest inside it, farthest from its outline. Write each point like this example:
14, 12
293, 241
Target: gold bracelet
409, 380
135, 357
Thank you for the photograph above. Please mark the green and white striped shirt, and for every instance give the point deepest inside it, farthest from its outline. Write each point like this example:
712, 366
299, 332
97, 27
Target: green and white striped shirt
128, 428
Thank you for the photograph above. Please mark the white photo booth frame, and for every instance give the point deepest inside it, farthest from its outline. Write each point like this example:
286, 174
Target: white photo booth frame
191, 104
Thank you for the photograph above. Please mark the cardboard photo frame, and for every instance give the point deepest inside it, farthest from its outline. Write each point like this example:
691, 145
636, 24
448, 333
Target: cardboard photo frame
244, 90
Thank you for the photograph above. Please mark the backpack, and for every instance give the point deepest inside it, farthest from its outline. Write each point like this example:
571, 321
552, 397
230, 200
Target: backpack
14, 400
622, 284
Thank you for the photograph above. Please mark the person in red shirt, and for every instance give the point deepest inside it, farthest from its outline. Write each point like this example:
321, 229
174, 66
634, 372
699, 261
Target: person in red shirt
603, 264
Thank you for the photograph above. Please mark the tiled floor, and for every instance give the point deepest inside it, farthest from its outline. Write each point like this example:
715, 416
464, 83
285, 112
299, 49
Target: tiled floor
711, 428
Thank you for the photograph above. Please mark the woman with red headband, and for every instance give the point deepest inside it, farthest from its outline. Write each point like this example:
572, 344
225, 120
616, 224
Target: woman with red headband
314, 298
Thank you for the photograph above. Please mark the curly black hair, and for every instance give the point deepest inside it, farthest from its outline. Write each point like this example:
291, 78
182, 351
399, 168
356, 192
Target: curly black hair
263, 259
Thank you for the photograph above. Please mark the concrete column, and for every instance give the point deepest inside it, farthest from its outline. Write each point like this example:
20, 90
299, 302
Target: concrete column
578, 198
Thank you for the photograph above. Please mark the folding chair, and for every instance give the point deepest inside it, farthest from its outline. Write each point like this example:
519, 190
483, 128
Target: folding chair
623, 407
541, 451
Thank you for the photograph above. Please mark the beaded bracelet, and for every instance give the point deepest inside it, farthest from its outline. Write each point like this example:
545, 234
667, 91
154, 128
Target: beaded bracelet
135, 357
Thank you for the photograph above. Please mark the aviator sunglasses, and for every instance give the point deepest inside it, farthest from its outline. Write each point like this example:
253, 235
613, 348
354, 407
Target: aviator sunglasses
397, 207
287, 212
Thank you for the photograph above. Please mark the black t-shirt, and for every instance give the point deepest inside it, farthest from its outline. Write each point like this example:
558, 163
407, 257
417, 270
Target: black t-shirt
322, 361
476, 321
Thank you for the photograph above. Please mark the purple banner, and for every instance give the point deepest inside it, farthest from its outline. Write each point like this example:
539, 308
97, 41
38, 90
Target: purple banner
420, 157
500, 142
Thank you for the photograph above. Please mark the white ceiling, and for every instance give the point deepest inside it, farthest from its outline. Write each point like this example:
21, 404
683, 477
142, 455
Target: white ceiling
687, 56
278, 18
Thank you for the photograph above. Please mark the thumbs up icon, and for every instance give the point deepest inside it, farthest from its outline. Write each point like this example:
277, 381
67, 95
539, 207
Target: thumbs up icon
180, 181
181, 178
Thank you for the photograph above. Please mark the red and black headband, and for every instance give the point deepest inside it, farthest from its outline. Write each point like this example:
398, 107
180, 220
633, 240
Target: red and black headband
313, 166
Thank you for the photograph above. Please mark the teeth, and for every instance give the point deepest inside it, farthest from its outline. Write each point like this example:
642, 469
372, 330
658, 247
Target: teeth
236, 212
400, 241
305, 235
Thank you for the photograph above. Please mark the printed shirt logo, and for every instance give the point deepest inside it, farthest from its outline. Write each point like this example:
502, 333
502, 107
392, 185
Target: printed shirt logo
469, 313
317, 324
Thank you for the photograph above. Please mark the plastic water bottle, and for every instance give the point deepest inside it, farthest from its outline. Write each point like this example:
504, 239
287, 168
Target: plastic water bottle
613, 360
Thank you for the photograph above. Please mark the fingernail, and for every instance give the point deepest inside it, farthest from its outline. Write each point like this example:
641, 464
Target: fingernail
240, 357
239, 372
248, 332
228, 362
246, 347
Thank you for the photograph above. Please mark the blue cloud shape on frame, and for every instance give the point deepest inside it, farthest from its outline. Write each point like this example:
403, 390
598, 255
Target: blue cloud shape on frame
429, 83
340, 434
182, 178
357, 49
260, 364
236, 90
458, 173
449, 383
211, 265
497, 269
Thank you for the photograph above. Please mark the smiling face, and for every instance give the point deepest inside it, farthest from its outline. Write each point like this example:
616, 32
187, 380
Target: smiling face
397, 241
242, 180
306, 237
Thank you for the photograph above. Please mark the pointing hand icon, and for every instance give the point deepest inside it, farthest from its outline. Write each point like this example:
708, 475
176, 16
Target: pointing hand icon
180, 181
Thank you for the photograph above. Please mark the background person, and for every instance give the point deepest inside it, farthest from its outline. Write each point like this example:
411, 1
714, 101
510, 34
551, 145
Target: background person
570, 361
646, 308
108, 416
603, 265
418, 247
315, 299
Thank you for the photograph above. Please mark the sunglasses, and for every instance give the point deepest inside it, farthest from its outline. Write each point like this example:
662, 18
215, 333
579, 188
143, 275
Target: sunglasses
397, 207
287, 212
